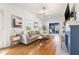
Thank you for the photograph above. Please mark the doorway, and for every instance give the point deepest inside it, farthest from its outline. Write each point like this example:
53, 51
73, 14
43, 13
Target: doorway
53, 28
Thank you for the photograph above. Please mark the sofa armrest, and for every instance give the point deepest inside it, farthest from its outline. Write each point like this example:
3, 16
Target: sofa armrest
25, 38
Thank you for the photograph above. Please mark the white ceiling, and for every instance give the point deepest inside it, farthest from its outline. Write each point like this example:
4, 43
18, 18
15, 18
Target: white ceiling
36, 7
54, 9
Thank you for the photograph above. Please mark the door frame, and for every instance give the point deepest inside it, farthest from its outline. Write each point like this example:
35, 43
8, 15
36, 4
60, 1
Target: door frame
49, 29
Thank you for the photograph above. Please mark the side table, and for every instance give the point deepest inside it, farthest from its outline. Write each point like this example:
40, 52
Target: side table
14, 38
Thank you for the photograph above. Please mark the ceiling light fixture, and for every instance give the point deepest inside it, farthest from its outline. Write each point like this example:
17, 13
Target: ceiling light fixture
44, 8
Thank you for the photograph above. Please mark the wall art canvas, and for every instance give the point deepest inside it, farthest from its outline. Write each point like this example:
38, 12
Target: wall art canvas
36, 25
16, 21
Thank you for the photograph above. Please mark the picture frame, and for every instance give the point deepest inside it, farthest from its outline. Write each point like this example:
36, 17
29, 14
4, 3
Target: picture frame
16, 21
36, 24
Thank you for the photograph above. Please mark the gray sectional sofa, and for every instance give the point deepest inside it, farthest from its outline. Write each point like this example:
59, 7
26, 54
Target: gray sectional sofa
29, 37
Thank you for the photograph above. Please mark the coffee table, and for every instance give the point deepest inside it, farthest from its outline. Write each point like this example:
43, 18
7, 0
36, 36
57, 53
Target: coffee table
41, 39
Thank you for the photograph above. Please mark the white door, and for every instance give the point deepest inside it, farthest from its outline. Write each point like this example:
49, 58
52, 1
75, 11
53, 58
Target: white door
1, 30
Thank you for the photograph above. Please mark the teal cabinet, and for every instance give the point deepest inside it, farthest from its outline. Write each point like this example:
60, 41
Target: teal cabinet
72, 40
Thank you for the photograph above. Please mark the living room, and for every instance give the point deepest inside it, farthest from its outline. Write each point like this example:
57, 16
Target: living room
17, 19
36, 28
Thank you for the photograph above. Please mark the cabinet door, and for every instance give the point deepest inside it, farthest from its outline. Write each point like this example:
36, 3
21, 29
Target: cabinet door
74, 40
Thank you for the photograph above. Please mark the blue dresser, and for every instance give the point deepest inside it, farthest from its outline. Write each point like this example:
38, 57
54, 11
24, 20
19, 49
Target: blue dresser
72, 40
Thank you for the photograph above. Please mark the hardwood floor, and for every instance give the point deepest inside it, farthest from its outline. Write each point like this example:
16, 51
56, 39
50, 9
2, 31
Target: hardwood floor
47, 48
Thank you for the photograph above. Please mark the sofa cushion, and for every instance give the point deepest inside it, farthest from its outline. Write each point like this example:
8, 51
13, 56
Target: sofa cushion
34, 33
30, 34
34, 37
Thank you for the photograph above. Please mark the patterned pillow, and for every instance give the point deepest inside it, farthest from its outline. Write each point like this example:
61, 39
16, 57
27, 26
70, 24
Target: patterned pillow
30, 33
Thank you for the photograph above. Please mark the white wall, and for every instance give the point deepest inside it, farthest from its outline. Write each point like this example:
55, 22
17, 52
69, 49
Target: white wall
14, 10
77, 11
1, 29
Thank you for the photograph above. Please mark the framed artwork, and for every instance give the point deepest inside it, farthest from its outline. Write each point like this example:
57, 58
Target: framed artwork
16, 21
36, 24
54, 28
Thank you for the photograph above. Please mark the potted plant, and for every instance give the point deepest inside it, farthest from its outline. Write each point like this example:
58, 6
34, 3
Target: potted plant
44, 28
